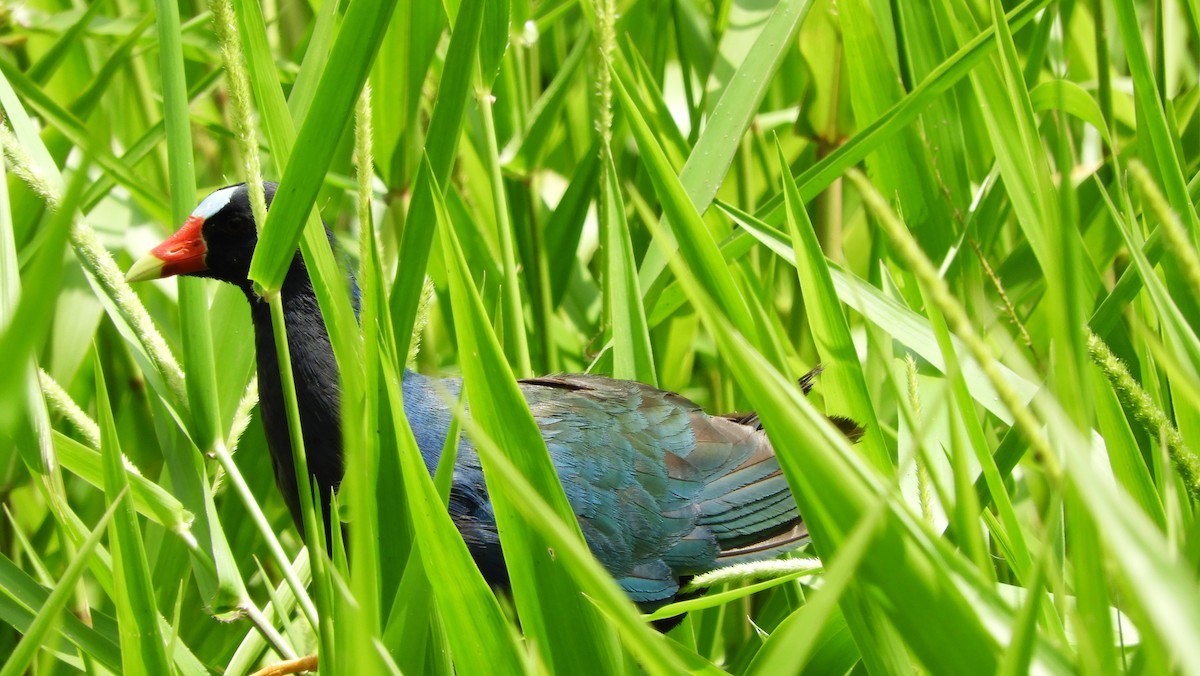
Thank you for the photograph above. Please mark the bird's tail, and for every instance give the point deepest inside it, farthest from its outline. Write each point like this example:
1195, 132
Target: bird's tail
751, 503
791, 538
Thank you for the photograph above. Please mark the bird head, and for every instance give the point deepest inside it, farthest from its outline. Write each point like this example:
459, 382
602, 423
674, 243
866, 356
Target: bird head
217, 240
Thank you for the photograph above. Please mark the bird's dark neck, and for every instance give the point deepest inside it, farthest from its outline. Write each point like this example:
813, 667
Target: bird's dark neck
315, 374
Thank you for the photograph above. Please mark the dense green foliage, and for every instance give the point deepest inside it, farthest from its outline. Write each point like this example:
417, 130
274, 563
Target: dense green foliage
978, 215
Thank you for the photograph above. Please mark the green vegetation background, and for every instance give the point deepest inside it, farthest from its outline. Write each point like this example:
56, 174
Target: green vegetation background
978, 216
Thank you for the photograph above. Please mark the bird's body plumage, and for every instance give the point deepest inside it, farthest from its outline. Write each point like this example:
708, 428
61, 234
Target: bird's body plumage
661, 489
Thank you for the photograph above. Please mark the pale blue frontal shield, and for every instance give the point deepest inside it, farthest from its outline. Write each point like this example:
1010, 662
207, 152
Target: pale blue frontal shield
214, 202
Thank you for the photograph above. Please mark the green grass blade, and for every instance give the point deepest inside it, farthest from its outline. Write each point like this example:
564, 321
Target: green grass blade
901, 165
27, 324
225, 590
20, 658
819, 176
561, 534
789, 647
353, 50
732, 114
482, 640
693, 237
1151, 114
632, 356
548, 600
847, 394
142, 645
441, 142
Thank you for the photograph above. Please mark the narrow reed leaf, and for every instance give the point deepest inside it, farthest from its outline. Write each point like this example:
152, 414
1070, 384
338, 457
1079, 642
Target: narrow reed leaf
694, 239
847, 391
353, 50
441, 143
142, 646
548, 600
26, 323
21, 657
482, 640
820, 175
516, 342
632, 356
789, 647
650, 647
731, 116
218, 576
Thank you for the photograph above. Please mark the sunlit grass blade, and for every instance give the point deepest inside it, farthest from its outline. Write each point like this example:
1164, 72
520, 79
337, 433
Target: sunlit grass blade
714, 599
694, 238
225, 589
19, 660
74, 129
516, 342
897, 320
632, 357
353, 51
1129, 466
847, 391
482, 640
526, 151
150, 499
26, 324
565, 225
902, 165
1151, 113
550, 606
441, 142
142, 645
1157, 590
731, 116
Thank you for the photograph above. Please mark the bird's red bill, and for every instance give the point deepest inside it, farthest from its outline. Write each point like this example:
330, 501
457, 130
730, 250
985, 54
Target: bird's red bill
180, 254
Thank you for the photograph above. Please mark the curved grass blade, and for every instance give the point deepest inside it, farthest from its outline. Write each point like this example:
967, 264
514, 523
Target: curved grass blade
353, 50
706, 166
142, 645
482, 640
48, 614
693, 237
632, 356
567, 631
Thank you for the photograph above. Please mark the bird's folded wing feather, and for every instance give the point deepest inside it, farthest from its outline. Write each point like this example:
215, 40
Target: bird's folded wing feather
660, 487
